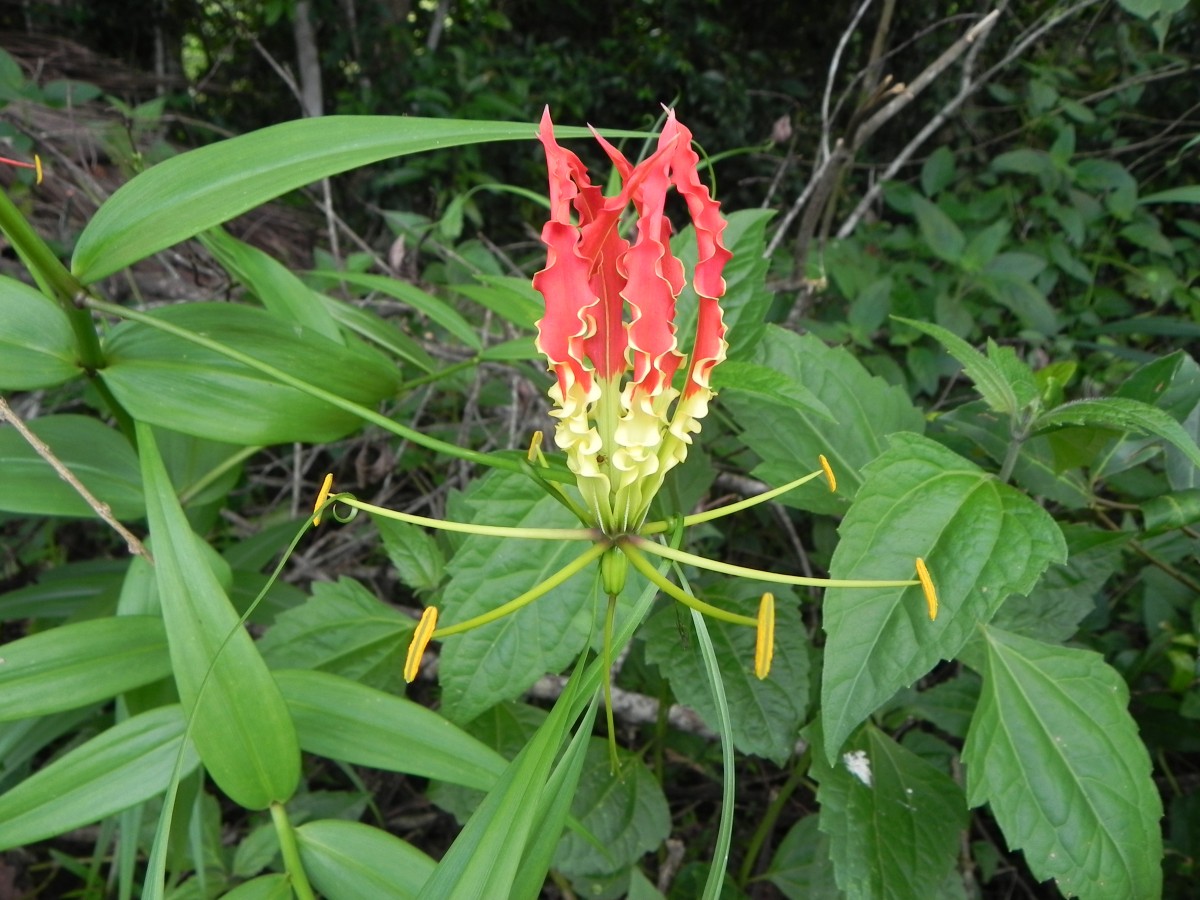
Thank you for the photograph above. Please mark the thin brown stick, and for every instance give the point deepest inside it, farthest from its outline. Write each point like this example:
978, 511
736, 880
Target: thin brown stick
103, 510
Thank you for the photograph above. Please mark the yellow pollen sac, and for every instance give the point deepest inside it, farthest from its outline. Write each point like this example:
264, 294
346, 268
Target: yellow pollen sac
931, 597
828, 469
420, 640
764, 644
322, 496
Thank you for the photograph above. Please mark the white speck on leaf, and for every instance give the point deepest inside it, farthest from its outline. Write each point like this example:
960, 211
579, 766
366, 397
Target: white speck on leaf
859, 765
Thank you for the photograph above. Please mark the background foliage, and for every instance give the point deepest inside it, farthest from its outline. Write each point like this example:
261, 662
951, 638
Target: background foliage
989, 331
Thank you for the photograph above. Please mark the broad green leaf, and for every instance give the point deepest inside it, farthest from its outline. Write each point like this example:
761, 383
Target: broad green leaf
166, 380
1055, 754
788, 438
414, 553
1020, 295
115, 770
1024, 162
99, 456
435, 308
192, 192
24, 740
767, 714
746, 301
981, 540
275, 285
343, 629
347, 721
1167, 512
241, 725
894, 821
986, 375
802, 868
1068, 592
37, 346
941, 235
350, 861
500, 660
984, 245
77, 664
938, 171
627, 813
1189, 193
1122, 414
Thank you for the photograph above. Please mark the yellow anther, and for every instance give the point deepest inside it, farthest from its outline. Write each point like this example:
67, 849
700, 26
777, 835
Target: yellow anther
322, 496
764, 644
37, 167
535, 447
420, 640
931, 597
828, 469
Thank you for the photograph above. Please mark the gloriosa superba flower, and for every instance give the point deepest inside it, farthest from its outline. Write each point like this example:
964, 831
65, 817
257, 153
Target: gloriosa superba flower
622, 421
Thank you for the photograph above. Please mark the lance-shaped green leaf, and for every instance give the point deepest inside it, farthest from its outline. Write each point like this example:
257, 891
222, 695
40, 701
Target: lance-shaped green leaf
169, 381
274, 284
115, 770
1122, 414
266, 887
893, 819
192, 192
80, 663
789, 434
1054, 752
350, 860
99, 456
37, 346
241, 724
501, 660
344, 720
987, 376
981, 540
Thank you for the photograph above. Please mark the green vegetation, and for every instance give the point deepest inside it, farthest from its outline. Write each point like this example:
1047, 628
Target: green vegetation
965, 261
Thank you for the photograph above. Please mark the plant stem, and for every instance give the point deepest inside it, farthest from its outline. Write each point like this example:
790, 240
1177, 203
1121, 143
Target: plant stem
702, 562
543, 587
509, 531
663, 584
291, 853
54, 280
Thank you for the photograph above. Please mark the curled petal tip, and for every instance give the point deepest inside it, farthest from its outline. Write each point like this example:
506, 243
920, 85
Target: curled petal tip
829, 476
420, 640
931, 598
322, 496
764, 644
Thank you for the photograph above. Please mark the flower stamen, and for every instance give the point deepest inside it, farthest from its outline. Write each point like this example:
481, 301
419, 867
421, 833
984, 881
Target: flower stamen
764, 644
830, 477
322, 496
420, 640
931, 598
